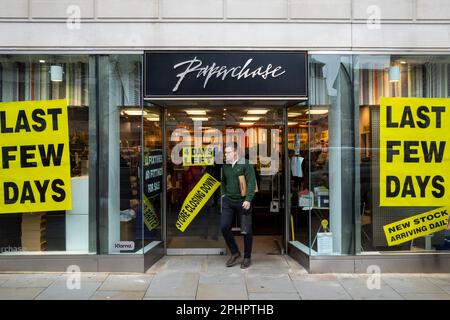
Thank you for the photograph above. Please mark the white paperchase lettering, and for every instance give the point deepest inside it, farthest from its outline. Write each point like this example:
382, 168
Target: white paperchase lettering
222, 72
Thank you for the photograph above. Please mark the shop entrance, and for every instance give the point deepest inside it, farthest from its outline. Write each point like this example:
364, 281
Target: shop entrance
194, 135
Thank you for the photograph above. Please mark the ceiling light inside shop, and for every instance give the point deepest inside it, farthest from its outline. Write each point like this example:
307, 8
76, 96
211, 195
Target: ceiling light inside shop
257, 111
135, 112
200, 119
317, 112
250, 118
294, 114
292, 123
246, 123
196, 112
41, 61
152, 117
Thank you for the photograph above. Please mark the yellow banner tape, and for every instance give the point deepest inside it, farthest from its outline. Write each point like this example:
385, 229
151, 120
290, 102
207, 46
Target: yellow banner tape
195, 200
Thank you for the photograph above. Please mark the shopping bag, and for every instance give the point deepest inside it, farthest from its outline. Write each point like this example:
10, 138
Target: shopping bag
243, 186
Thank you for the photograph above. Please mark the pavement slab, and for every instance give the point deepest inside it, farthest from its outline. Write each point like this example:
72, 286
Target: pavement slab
270, 277
227, 286
320, 287
173, 284
274, 296
19, 293
271, 283
32, 280
60, 291
122, 282
405, 284
118, 295
363, 287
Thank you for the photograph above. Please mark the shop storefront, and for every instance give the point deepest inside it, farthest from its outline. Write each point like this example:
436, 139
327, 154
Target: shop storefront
110, 121
141, 141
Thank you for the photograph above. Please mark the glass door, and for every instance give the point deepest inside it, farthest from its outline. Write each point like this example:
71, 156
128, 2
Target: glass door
196, 138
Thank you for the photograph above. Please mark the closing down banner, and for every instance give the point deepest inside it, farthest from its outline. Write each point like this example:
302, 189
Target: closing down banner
196, 199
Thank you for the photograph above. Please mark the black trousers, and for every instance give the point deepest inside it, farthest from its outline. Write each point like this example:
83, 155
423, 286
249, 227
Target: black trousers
229, 209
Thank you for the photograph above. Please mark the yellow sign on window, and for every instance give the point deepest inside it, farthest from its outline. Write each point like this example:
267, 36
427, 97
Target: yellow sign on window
414, 155
417, 226
202, 156
35, 163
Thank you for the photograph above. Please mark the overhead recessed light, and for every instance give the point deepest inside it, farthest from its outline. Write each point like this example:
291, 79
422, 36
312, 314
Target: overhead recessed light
257, 111
196, 112
135, 112
199, 119
403, 62
317, 112
294, 114
152, 117
246, 123
41, 61
292, 123
250, 118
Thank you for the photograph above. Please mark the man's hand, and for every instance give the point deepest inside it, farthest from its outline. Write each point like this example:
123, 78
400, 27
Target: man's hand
246, 205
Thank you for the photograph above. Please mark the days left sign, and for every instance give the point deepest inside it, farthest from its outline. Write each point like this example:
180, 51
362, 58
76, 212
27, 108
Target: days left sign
34, 157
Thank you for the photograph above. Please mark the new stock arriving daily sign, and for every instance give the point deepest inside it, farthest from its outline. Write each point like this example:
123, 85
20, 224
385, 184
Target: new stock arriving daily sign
417, 226
414, 158
34, 151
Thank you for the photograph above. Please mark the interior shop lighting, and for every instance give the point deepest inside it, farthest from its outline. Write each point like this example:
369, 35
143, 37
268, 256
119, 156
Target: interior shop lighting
56, 73
135, 112
317, 112
294, 114
152, 117
292, 123
244, 124
196, 112
394, 74
257, 111
200, 118
250, 118
41, 61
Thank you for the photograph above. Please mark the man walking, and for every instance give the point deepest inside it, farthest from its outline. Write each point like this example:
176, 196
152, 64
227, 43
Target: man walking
235, 203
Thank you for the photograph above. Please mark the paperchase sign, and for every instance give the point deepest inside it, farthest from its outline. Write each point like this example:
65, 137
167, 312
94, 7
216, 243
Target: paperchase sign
225, 74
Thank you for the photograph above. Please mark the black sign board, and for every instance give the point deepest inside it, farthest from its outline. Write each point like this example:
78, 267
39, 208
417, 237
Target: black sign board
225, 74
153, 172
